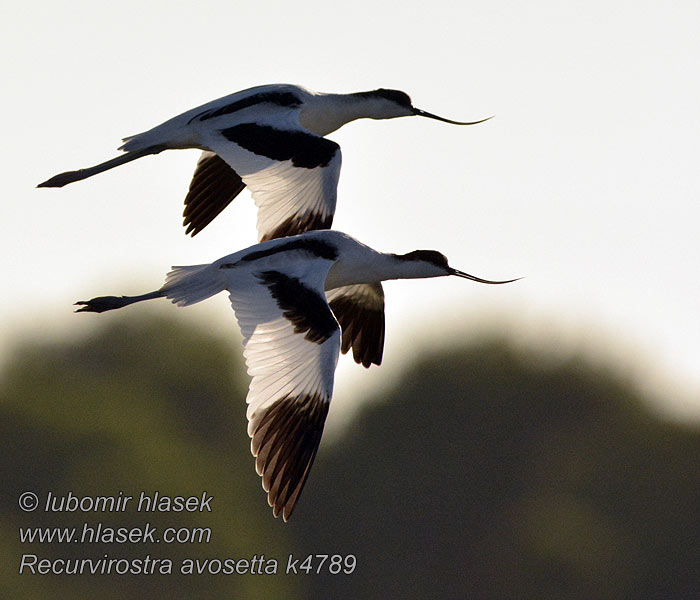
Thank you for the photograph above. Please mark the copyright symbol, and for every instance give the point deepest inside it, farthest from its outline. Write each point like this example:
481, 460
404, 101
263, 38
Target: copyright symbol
28, 501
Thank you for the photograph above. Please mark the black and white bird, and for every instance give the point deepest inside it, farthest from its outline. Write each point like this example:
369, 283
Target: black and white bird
269, 138
291, 337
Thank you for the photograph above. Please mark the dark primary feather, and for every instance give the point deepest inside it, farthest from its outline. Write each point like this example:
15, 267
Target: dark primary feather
214, 185
359, 310
285, 442
299, 224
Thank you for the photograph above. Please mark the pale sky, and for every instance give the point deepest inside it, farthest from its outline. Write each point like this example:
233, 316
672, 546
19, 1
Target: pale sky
586, 182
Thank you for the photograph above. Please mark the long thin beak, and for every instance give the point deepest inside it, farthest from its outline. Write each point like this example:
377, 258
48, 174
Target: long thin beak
422, 113
479, 279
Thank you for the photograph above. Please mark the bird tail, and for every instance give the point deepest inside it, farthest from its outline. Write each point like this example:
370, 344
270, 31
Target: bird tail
174, 133
140, 142
183, 285
192, 284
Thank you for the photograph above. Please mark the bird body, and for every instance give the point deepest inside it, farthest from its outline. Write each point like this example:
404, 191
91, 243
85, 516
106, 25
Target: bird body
291, 336
276, 104
269, 138
284, 106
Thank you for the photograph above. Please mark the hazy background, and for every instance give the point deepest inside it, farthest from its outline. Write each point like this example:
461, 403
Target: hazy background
486, 472
585, 183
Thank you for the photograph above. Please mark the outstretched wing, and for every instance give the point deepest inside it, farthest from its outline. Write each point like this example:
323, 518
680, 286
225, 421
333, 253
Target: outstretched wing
214, 185
292, 175
292, 343
360, 312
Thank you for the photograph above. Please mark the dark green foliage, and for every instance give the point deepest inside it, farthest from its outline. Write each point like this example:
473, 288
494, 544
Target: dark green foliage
146, 404
484, 474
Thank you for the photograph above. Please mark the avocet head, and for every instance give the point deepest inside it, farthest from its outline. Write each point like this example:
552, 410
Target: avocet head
431, 263
395, 103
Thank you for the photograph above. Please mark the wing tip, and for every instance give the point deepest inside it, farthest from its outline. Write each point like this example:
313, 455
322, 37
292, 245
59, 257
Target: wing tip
285, 441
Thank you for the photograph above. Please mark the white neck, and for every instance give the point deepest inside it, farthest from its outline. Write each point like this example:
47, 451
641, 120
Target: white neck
327, 112
371, 266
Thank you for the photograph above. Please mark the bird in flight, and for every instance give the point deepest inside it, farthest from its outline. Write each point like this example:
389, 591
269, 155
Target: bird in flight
270, 139
291, 336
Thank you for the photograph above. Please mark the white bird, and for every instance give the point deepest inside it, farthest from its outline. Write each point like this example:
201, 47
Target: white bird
291, 337
269, 138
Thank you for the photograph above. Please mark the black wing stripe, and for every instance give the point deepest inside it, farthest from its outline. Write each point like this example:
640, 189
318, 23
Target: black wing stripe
305, 150
302, 306
314, 247
288, 99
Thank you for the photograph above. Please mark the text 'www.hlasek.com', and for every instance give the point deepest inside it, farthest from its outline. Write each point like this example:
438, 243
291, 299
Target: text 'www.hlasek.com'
99, 532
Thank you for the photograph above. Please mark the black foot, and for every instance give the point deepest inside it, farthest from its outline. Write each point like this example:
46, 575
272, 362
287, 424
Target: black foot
61, 179
102, 304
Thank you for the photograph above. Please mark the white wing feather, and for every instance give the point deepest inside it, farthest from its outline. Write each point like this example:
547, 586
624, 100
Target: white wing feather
291, 388
290, 199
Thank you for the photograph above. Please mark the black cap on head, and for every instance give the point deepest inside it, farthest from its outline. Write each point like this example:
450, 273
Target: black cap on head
396, 96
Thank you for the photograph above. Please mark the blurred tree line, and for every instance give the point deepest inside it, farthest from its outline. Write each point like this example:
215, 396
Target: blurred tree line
484, 474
